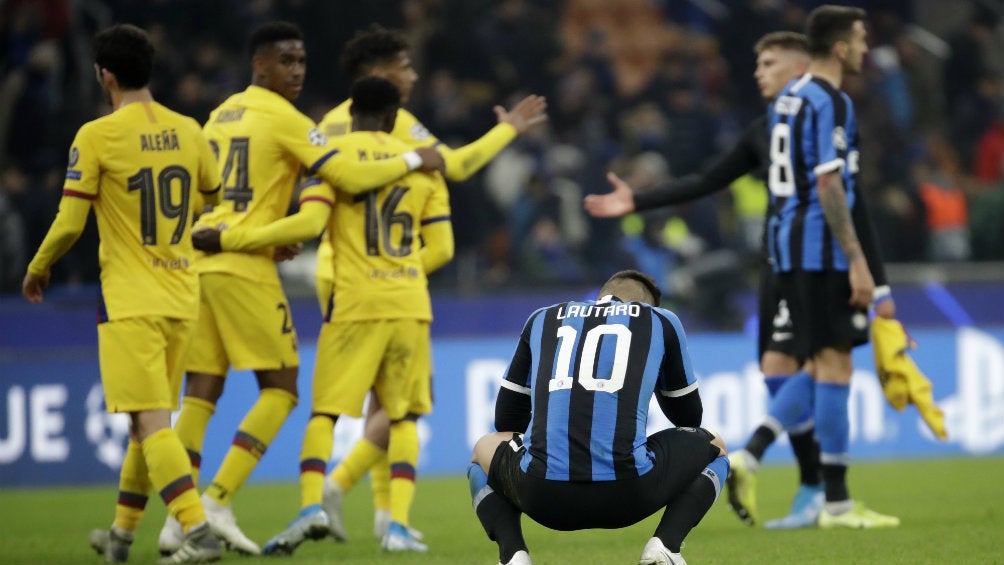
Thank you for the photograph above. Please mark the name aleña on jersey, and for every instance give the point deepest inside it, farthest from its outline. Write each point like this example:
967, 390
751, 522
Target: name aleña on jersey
166, 140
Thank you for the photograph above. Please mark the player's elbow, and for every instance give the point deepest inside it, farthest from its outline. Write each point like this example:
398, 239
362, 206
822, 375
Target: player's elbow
436, 258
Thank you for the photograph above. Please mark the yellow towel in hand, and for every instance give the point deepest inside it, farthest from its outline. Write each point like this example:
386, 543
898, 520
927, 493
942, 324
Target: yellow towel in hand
902, 382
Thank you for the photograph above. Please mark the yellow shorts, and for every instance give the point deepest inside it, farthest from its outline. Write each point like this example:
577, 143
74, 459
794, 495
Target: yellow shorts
242, 324
142, 362
390, 356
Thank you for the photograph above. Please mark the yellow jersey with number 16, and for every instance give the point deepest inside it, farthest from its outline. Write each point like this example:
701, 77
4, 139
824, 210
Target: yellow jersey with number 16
375, 237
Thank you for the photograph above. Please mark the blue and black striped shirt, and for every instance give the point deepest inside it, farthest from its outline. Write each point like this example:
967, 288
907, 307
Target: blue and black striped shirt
812, 132
590, 369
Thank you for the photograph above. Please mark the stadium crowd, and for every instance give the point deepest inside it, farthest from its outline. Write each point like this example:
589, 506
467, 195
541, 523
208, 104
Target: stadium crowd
650, 89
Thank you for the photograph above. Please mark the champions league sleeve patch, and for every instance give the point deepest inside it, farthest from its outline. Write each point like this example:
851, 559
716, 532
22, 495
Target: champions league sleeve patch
839, 138
316, 137
419, 132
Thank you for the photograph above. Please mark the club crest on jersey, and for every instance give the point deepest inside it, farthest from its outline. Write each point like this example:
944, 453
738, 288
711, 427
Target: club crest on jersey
839, 138
316, 137
419, 132
859, 320
788, 105
74, 157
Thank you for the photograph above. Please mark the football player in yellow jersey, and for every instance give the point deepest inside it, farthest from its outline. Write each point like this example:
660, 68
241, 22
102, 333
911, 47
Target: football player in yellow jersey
263, 142
145, 170
376, 334
384, 53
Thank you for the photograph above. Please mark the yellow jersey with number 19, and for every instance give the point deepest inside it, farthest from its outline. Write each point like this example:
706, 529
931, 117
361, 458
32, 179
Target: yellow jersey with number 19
374, 235
144, 167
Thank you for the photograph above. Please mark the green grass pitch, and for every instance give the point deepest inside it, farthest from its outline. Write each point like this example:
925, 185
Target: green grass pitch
952, 512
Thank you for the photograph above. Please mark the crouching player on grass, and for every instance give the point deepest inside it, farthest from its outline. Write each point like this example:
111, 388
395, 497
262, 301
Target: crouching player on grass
571, 450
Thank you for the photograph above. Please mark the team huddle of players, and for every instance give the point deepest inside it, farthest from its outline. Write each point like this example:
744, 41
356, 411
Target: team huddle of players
193, 220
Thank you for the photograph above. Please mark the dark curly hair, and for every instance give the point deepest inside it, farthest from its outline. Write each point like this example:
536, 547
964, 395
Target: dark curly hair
374, 46
125, 51
374, 96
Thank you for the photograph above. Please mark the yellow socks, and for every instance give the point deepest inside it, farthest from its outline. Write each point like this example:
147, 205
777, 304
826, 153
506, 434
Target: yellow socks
171, 474
380, 482
191, 429
134, 488
253, 436
403, 456
362, 457
318, 440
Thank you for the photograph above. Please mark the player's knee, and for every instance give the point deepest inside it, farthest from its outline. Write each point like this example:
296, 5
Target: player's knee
485, 447
717, 441
282, 379
204, 386
777, 363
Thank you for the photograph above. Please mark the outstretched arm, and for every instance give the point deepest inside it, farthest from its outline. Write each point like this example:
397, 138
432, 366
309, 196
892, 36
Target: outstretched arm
741, 159
463, 162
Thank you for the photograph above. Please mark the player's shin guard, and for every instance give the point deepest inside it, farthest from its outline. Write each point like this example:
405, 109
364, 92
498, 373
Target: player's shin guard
792, 404
498, 516
171, 475
364, 456
833, 431
134, 488
255, 433
191, 429
402, 452
689, 507
318, 441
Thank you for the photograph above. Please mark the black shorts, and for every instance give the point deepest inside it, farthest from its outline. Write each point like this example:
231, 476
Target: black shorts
680, 454
776, 331
821, 315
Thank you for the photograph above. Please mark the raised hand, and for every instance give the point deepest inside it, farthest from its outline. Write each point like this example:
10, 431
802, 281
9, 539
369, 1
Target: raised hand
614, 204
527, 113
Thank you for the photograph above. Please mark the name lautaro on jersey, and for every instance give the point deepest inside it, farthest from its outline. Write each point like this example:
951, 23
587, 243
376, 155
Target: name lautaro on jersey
586, 310
166, 140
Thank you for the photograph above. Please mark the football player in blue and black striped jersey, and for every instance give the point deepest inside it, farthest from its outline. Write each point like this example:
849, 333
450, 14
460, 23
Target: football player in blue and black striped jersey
821, 271
572, 452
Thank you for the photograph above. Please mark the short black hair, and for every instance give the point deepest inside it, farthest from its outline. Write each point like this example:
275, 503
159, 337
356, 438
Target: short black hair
272, 32
788, 40
639, 277
829, 24
370, 47
374, 96
127, 52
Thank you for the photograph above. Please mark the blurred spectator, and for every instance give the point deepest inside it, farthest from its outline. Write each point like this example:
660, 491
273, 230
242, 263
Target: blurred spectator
947, 217
13, 250
630, 84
